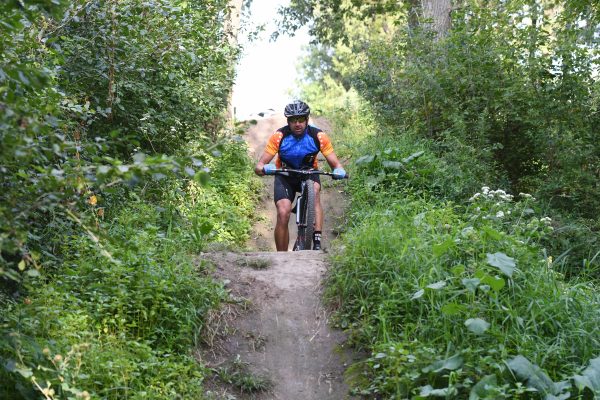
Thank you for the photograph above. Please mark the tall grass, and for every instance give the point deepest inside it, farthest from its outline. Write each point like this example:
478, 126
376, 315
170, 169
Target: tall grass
452, 290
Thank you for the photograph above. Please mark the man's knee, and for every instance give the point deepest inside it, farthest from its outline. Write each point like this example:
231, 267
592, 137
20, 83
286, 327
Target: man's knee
284, 209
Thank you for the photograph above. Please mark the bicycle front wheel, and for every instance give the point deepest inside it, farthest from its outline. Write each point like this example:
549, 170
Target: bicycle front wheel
309, 215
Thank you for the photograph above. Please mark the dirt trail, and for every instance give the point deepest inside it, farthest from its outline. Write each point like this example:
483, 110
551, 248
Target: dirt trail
282, 333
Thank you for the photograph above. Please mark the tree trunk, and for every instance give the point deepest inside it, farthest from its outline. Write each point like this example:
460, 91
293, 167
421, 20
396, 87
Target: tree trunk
232, 23
438, 12
232, 27
435, 12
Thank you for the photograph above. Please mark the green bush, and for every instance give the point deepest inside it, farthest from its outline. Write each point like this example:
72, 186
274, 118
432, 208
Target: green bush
127, 313
114, 170
455, 297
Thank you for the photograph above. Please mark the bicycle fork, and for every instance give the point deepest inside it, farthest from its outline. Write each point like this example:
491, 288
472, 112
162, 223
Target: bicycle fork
299, 211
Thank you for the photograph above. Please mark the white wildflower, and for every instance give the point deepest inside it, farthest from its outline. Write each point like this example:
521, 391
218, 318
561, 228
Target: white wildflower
475, 196
525, 195
546, 220
500, 214
485, 190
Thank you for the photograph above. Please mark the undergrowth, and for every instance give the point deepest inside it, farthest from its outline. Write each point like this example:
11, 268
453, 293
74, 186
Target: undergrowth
450, 283
120, 316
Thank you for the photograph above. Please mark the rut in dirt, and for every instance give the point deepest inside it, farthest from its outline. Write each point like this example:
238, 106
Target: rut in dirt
284, 336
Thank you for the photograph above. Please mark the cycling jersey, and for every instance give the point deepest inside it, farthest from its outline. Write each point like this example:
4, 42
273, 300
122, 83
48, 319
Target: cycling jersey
298, 151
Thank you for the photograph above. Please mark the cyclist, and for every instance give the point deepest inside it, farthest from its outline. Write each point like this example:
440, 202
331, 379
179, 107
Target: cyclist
297, 145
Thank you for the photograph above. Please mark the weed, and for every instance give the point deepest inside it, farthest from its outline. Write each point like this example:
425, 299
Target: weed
257, 341
254, 263
238, 374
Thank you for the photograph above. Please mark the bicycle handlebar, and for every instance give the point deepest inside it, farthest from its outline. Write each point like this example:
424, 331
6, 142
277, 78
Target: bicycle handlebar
287, 171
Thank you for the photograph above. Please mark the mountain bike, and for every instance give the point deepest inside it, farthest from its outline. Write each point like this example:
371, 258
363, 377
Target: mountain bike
305, 204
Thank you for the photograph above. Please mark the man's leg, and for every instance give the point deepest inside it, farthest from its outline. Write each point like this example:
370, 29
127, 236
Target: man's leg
318, 208
282, 234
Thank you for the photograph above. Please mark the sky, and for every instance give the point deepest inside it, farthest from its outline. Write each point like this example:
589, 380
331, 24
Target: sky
266, 70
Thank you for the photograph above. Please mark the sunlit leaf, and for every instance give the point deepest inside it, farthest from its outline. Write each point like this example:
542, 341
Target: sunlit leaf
392, 164
590, 377
418, 294
533, 376
437, 285
33, 272
139, 158
471, 284
419, 219
450, 364
477, 325
413, 156
429, 391
190, 171
365, 160
503, 262
23, 78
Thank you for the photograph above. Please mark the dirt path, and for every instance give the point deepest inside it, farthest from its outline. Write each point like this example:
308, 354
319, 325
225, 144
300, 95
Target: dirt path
277, 333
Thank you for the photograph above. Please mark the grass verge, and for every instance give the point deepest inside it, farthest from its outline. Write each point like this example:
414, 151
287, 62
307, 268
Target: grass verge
453, 291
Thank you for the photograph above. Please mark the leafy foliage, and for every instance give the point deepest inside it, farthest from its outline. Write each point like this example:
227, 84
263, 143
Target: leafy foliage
446, 294
114, 169
509, 98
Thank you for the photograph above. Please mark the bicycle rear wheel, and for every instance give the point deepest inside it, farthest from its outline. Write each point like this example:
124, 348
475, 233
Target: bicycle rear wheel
306, 228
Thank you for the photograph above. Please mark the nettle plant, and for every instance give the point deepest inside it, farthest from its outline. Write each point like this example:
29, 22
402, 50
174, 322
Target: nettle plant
489, 317
497, 209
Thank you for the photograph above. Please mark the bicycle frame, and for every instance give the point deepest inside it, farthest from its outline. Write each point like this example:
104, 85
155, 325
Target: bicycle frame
304, 216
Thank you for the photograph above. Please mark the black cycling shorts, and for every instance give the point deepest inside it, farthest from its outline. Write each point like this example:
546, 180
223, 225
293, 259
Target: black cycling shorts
286, 187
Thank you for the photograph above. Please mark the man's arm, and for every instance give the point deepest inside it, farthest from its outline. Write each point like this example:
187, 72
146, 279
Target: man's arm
264, 159
333, 161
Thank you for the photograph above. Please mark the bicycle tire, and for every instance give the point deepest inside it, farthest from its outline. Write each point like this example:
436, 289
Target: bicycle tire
309, 213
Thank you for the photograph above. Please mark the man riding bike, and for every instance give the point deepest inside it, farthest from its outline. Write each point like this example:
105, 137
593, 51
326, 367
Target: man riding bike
297, 144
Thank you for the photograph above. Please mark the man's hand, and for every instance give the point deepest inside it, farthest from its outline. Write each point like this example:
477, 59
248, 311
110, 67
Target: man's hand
339, 173
265, 159
268, 169
258, 170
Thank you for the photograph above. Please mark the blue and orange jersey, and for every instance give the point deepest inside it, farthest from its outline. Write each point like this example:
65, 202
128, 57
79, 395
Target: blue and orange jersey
298, 151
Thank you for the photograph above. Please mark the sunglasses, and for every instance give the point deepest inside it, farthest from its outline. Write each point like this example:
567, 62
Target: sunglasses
297, 119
